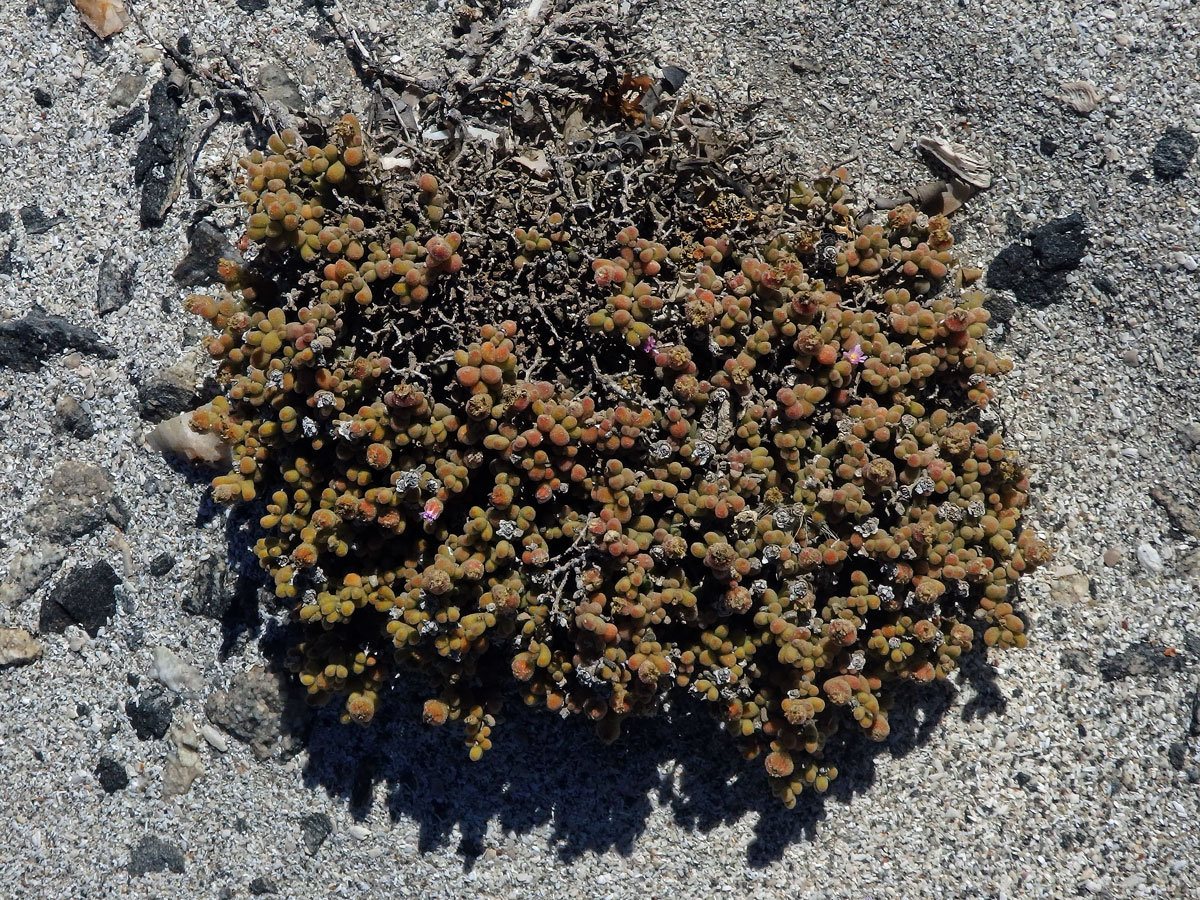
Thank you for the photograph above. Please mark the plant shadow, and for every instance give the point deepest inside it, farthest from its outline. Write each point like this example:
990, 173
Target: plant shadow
557, 775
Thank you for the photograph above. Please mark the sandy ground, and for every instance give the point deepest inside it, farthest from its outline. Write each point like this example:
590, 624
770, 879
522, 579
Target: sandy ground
1066, 769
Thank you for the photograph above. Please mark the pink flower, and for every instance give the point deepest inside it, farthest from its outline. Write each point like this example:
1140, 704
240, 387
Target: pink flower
854, 355
650, 344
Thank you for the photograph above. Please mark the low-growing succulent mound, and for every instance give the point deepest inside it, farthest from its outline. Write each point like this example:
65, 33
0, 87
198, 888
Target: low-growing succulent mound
614, 433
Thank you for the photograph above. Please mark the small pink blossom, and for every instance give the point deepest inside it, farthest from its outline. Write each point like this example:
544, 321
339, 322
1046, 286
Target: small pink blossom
854, 355
433, 509
650, 344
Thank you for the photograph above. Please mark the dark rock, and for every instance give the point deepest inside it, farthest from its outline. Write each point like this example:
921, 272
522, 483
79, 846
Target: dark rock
276, 86
1035, 271
53, 9
160, 147
1001, 308
1194, 728
214, 588
111, 775
162, 564
6, 246
153, 854
76, 502
26, 343
71, 417
114, 285
1139, 659
207, 245
1177, 755
37, 222
1023, 779
252, 6
260, 886
128, 119
184, 45
1047, 147
159, 158
1173, 153
117, 511
167, 393
673, 78
85, 597
255, 710
150, 714
315, 828
1105, 285
1060, 245
42, 98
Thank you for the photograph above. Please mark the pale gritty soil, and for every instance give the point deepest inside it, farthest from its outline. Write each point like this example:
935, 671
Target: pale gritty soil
1055, 771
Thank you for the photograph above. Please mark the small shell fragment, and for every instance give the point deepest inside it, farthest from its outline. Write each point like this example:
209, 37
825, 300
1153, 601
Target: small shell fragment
1081, 96
215, 739
961, 162
535, 161
105, 17
933, 197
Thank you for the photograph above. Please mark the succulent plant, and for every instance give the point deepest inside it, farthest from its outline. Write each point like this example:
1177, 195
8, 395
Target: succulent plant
779, 491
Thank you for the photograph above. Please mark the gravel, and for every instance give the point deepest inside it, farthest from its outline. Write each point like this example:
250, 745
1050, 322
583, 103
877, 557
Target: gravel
1066, 769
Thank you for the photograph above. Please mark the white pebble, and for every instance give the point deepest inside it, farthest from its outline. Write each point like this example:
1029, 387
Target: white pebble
214, 737
358, 832
77, 639
172, 671
1149, 558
